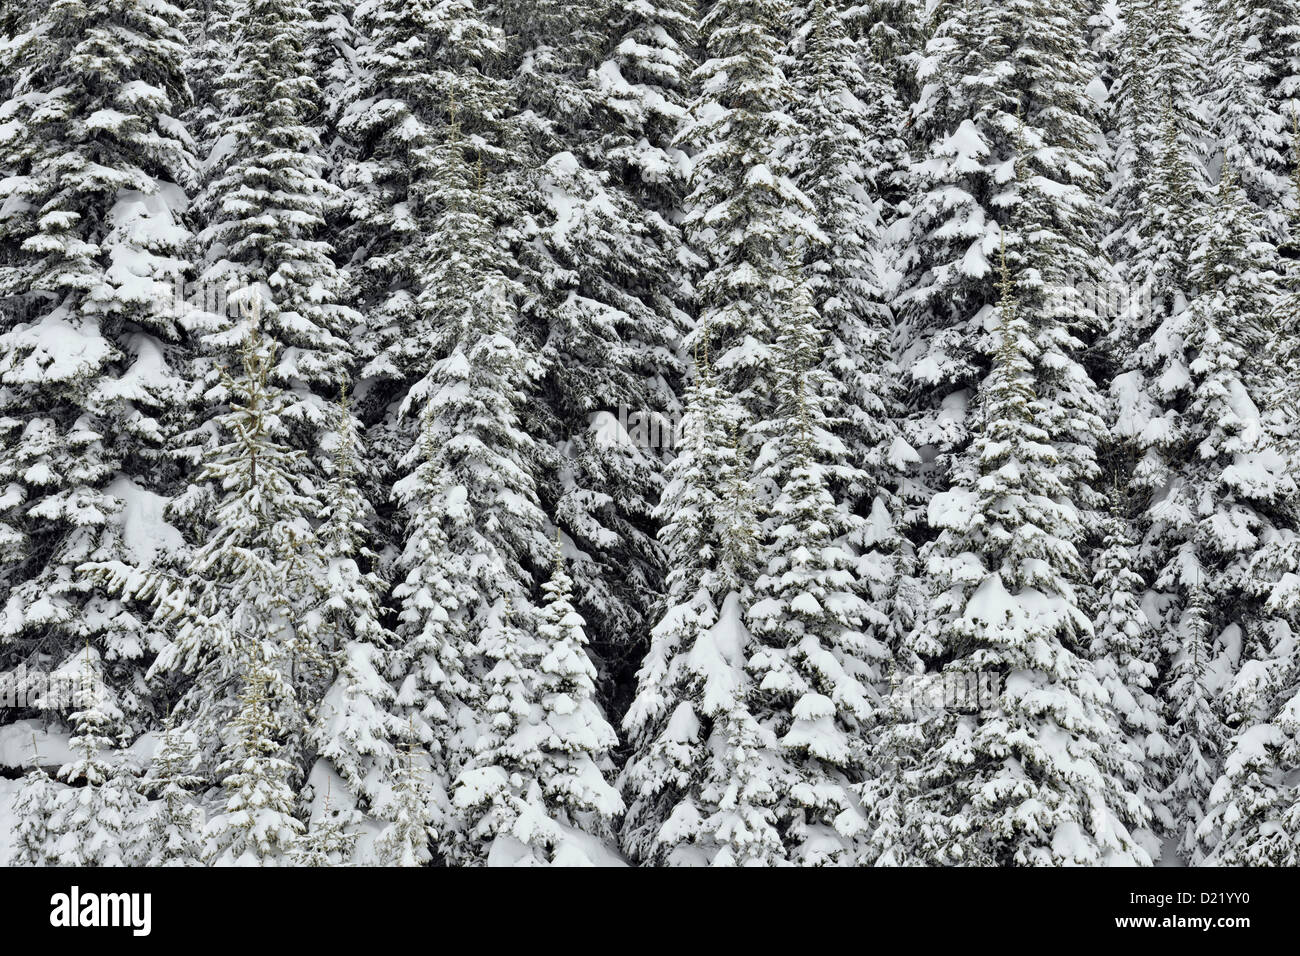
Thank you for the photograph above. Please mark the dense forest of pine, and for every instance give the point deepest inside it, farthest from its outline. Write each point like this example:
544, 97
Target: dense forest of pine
672, 432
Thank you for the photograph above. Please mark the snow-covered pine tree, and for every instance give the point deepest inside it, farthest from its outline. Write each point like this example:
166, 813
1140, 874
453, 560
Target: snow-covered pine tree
1270, 30
841, 162
1127, 655
815, 661
1226, 508
1244, 113
1010, 134
424, 66
897, 749
405, 841
498, 803
263, 206
639, 100
961, 126
1195, 717
892, 33
537, 771
743, 786
93, 821
704, 776
608, 275
475, 528
689, 716
256, 826
1001, 80
837, 162
209, 29
330, 44
261, 571
1161, 162
991, 782
1129, 105
172, 824
1226, 491
433, 658
1253, 807
1283, 338
1103, 22
744, 210
1157, 276
579, 739
355, 725
92, 252
36, 799
884, 97
330, 47
328, 840
257, 573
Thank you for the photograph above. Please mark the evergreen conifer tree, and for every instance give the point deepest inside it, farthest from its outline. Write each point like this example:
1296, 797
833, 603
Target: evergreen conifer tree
328, 841
92, 822
1220, 488
257, 576
173, 824
355, 725
745, 210
608, 273
538, 769
405, 841
991, 782
92, 251
475, 526
256, 826
1127, 655
32, 807
264, 206
815, 665
691, 689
